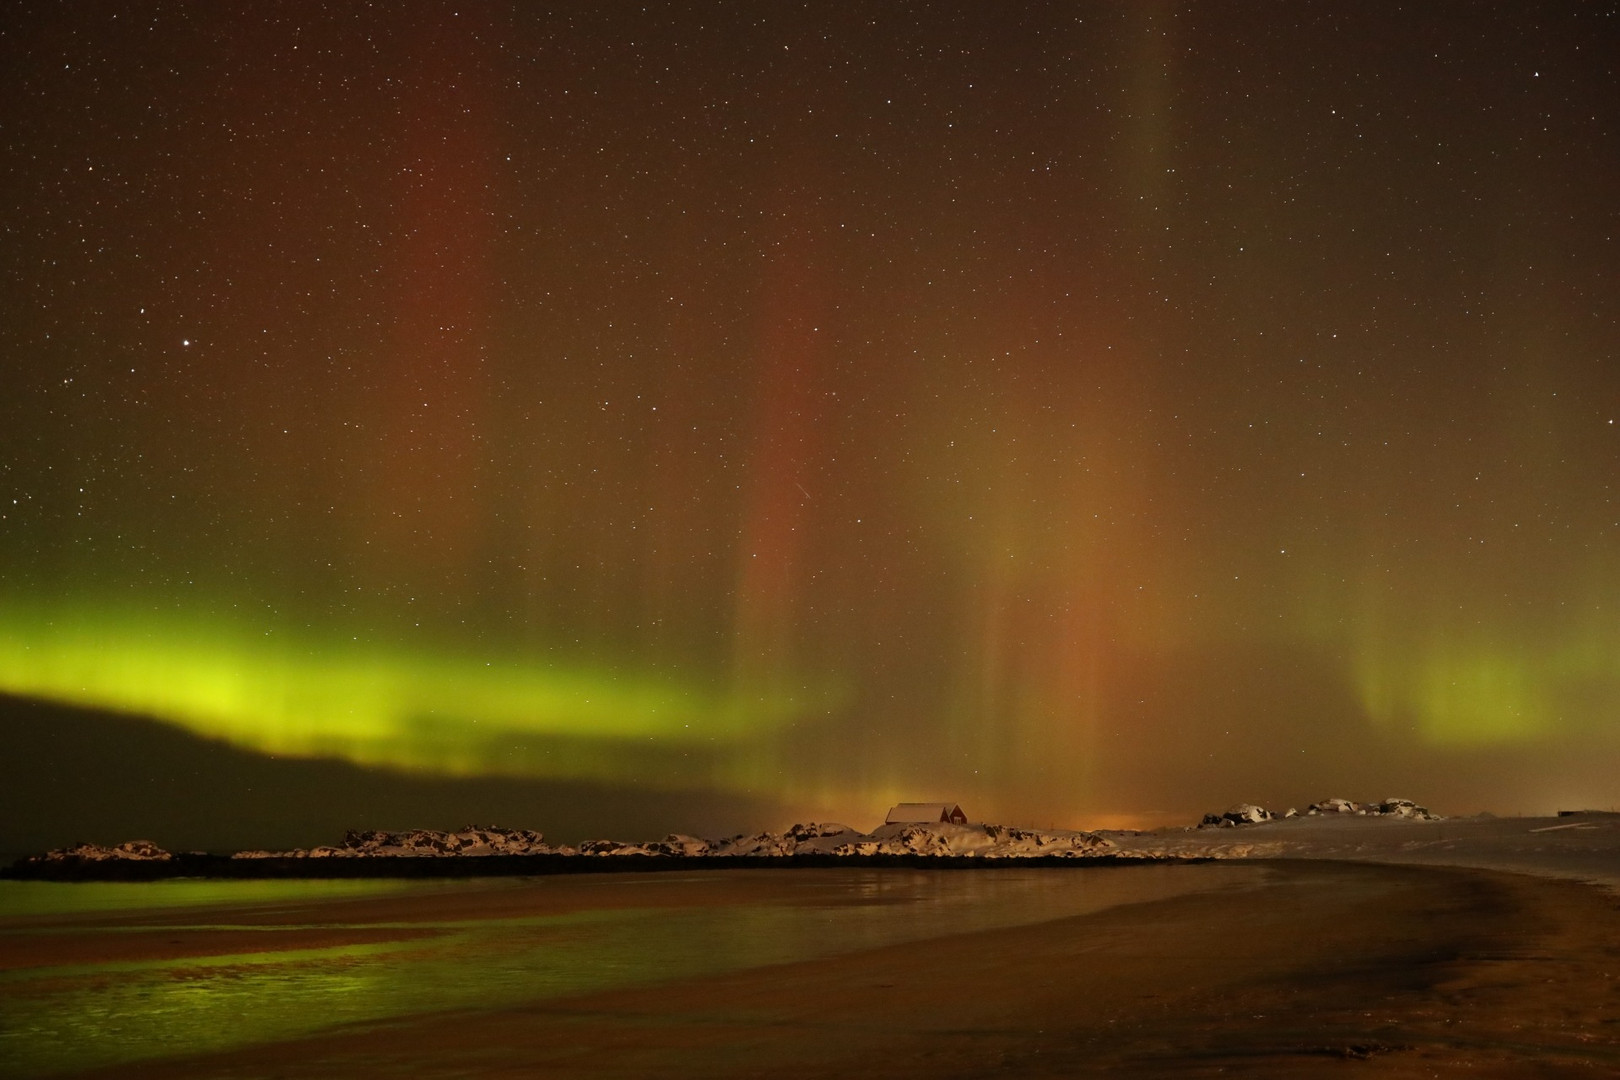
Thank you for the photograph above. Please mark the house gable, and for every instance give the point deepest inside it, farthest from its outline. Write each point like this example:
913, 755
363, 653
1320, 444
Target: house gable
908, 813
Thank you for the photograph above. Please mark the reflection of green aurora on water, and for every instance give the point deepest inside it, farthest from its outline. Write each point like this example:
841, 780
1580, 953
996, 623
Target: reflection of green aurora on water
582, 936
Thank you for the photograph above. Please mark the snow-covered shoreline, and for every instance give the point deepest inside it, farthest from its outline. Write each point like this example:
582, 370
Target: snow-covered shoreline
940, 840
1583, 846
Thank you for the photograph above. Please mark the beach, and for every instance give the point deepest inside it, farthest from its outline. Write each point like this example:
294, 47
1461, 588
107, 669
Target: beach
1268, 968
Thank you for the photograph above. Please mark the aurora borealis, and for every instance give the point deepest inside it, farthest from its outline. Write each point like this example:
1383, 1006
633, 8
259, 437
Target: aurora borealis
1073, 410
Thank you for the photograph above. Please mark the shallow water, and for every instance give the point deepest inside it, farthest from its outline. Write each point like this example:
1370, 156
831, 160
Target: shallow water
70, 898
573, 935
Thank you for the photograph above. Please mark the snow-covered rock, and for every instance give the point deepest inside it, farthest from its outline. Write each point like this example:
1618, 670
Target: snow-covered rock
129, 851
914, 838
1241, 814
1406, 808
828, 843
472, 840
614, 847
1250, 814
759, 844
1391, 807
815, 838
682, 845
833, 838
823, 838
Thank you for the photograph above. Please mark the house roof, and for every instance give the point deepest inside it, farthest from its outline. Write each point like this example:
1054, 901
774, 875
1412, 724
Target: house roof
921, 811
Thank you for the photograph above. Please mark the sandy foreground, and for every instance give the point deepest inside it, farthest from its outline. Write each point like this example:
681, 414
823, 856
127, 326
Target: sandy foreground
1290, 967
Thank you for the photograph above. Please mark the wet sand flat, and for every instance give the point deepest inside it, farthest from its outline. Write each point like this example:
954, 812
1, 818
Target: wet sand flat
1289, 969
111, 974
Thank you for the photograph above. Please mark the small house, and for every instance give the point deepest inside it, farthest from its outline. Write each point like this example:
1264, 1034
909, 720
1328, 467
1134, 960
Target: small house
928, 813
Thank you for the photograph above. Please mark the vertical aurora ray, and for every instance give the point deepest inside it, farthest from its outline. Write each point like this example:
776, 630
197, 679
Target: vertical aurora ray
429, 404
785, 459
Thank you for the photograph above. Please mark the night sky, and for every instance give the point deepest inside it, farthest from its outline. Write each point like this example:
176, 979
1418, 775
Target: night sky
1086, 412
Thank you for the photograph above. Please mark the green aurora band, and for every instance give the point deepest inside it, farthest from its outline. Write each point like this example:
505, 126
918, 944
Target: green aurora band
423, 710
